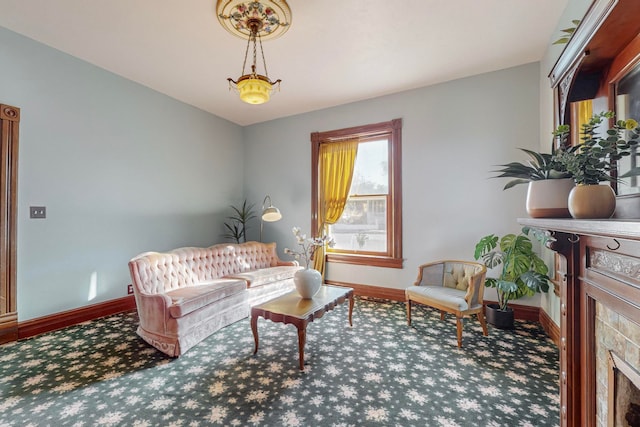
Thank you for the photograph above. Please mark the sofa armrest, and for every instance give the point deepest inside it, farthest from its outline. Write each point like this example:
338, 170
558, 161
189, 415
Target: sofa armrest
153, 311
155, 299
430, 274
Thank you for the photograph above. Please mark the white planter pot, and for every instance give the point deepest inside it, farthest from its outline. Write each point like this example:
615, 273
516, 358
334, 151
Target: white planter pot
548, 198
307, 282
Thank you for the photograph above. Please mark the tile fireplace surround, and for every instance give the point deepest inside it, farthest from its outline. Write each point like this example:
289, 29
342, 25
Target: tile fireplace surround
617, 345
599, 270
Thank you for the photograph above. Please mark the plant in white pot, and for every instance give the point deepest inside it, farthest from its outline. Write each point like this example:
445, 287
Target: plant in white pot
522, 272
592, 161
309, 280
548, 180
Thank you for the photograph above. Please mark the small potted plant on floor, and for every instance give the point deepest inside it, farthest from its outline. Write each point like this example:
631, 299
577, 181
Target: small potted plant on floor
548, 180
522, 272
592, 161
236, 229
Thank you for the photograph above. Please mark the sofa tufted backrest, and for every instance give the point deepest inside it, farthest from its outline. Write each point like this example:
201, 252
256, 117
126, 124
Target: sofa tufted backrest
154, 272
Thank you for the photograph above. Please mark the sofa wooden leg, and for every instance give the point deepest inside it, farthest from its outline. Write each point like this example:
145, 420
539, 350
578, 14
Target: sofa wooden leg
442, 314
408, 312
459, 327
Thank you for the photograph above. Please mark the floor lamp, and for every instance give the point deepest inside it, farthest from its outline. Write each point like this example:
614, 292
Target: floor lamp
269, 214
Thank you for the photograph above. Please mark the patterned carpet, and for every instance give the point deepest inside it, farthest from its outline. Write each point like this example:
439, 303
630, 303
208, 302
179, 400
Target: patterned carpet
378, 373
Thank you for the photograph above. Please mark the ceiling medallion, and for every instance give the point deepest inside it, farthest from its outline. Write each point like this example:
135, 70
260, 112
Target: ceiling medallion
254, 21
272, 16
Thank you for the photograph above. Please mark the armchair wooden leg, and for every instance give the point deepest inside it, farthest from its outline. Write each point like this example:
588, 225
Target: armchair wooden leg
485, 332
459, 327
409, 312
442, 314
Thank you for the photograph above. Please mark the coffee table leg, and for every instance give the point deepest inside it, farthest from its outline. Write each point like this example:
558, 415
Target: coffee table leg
302, 339
254, 329
350, 309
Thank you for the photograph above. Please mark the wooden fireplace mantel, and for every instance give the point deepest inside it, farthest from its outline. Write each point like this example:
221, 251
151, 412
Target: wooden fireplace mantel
615, 228
600, 268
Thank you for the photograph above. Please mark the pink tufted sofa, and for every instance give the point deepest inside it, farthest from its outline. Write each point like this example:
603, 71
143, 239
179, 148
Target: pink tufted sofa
185, 295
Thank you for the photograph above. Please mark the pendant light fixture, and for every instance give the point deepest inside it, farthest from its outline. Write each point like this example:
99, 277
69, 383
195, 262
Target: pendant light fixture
254, 21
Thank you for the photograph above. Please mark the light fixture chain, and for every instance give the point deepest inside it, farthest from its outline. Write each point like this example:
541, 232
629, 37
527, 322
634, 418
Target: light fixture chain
246, 52
253, 69
264, 61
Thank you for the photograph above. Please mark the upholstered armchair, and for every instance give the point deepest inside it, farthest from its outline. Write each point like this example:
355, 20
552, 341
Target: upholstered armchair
455, 287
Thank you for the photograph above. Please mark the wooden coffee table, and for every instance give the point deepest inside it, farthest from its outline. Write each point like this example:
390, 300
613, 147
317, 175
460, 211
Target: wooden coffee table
291, 308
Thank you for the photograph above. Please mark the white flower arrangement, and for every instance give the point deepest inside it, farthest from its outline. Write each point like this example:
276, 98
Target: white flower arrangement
308, 245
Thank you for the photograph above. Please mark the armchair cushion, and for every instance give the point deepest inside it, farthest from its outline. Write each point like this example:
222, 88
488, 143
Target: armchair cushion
439, 295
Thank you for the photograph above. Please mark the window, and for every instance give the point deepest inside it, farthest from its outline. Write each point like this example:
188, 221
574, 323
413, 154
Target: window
369, 232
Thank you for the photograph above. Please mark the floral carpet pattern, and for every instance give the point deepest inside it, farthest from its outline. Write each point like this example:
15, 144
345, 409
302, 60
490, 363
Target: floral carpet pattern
380, 372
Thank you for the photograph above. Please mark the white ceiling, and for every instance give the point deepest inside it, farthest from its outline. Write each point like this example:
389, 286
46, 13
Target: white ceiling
335, 52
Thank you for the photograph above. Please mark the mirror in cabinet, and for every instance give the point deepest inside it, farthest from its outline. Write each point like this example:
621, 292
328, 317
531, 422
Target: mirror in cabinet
627, 106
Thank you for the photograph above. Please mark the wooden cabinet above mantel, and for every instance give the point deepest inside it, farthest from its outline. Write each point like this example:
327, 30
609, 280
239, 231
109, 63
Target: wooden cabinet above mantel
599, 70
607, 28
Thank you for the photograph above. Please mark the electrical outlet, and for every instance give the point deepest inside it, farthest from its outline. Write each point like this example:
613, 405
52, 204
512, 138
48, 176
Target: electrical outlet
130, 289
37, 212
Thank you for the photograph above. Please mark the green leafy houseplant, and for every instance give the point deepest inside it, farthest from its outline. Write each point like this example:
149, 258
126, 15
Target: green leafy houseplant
540, 166
591, 161
523, 272
236, 230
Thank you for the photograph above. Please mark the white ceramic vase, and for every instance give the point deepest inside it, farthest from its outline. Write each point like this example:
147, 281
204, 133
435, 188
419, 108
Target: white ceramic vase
548, 198
308, 282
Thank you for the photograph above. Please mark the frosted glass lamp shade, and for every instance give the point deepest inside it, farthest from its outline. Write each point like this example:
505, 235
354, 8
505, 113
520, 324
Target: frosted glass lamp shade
254, 90
271, 214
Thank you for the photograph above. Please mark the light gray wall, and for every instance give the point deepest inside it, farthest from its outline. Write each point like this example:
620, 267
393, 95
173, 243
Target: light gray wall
453, 134
121, 169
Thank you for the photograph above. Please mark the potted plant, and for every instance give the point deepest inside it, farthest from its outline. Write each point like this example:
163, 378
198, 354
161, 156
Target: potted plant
237, 228
549, 184
522, 272
592, 161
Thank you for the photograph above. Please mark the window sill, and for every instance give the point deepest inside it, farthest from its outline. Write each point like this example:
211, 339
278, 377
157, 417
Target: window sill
370, 260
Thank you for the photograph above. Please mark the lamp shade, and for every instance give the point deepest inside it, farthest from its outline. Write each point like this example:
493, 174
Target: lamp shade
271, 214
255, 89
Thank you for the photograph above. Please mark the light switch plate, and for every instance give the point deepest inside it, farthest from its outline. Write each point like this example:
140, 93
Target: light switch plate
37, 212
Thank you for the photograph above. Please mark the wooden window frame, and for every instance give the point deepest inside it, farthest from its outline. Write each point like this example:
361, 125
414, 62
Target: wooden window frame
392, 128
9, 132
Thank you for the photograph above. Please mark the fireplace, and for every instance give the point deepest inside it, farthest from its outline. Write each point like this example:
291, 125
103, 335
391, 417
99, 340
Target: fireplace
599, 320
623, 393
617, 369
617, 351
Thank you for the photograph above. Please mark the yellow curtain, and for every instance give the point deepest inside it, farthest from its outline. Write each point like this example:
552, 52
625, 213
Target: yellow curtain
581, 112
335, 171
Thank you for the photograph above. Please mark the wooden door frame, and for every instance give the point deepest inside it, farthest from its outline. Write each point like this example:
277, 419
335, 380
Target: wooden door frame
9, 125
